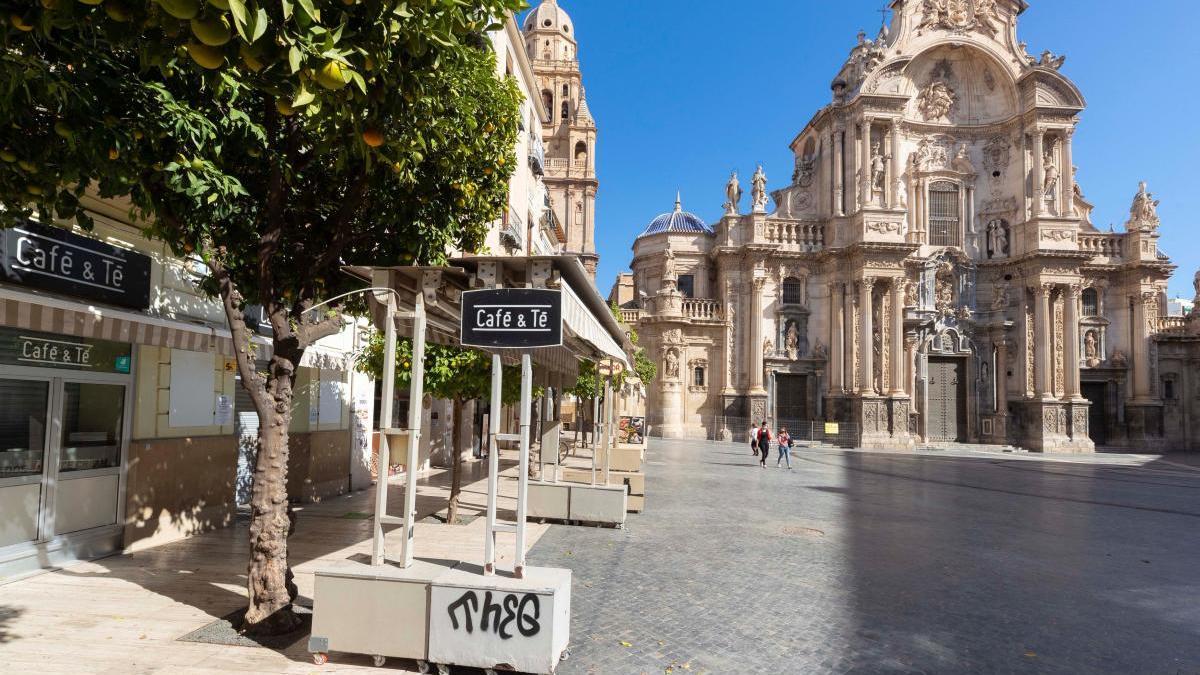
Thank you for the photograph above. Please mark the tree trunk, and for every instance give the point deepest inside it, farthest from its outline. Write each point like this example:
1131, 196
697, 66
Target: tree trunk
269, 578
455, 463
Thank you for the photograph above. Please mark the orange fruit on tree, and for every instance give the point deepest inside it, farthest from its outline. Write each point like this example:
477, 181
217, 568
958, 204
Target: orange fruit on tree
373, 137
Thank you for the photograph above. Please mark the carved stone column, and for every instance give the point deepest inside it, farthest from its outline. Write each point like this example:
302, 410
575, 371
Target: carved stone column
839, 172
894, 170
897, 338
1141, 346
1071, 343
1067, 200
867, 338
850, 305
837, 364
1043, 343
756, 337
1001, 376
1039, 173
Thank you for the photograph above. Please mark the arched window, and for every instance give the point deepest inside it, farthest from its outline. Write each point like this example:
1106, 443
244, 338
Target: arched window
945, 214
698, 376
793, 291
566, 90
566, 110
548, 100
581, 152
1091, 302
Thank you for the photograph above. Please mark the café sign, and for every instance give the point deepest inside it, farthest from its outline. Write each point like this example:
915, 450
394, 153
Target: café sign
65, 352
55, 259
512, 318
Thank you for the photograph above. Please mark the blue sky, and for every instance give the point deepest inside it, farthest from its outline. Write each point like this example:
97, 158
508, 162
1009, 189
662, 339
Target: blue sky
684, 91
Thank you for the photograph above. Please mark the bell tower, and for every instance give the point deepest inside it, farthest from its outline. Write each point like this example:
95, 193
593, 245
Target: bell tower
570, 138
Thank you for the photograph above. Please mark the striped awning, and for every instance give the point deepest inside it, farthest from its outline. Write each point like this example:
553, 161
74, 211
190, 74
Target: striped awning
50, 315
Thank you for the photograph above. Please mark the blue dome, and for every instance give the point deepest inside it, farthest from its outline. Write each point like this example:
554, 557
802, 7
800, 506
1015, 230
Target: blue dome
677, 221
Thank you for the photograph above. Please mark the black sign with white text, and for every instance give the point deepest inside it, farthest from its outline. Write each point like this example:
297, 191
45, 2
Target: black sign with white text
57, 260
512, 318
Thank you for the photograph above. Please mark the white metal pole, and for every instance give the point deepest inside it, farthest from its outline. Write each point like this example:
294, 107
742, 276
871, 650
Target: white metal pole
609, 430
416, 394
489, 543
595, 427
523, 479
385, 423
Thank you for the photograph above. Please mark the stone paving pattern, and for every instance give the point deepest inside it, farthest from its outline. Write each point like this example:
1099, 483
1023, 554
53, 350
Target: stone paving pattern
887, 563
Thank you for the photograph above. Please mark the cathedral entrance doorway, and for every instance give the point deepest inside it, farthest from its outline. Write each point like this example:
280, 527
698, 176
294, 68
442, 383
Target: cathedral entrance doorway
791, 398
1097, 393
947, 400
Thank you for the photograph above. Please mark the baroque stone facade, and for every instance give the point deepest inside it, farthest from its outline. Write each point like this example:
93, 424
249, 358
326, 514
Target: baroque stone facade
931, 274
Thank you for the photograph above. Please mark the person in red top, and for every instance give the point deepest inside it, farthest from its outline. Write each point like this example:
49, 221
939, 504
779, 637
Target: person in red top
764, 444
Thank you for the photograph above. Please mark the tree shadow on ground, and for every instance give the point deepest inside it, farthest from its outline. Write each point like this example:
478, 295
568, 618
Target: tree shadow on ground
8, 616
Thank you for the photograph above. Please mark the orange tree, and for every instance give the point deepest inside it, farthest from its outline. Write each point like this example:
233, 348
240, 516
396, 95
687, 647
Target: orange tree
275, 140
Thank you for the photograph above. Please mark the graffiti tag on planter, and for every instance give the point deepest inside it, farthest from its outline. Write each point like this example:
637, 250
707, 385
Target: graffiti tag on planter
498, 614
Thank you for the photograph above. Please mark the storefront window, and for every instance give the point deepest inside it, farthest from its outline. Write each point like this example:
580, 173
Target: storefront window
22, 427
92, 420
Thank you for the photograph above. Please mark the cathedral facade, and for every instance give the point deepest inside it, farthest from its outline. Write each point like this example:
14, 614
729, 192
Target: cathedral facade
931, 273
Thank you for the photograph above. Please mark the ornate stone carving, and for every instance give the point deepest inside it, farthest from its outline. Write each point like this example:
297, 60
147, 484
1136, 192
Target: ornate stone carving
879, 163
945, 290
792, 341
1143, 215
1059, 352
997, 154
673, 336
758, 191
962, 161
911, 295
883, 227
820, 351
806, 171
1000, 296
733, 194
1119, 359
1058, 235
1030, 354
960, 16
936, 101
1050, 60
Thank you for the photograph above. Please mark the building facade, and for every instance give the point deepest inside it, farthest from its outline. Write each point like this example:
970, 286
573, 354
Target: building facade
570, 136
931, 272
122, 421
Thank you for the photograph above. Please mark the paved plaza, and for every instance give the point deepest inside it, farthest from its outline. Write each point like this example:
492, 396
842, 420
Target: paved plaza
886, 563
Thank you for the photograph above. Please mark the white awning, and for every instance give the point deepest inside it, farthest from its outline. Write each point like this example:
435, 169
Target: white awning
583, 325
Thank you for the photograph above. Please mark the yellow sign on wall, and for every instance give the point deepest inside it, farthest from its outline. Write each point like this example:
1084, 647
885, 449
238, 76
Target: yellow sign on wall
831, 428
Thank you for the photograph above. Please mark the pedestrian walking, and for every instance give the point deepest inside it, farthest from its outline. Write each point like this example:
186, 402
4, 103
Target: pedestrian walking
754, 440
764, 444
785, 448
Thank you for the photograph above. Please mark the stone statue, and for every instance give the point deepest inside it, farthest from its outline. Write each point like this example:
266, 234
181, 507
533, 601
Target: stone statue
820, 351
911, 297
936, 101
669, 265
1091, 349
759, 190
793, 342
768, 348
1143, 215
672, 366
998, 238
962, 161
733, 194
879, 167
1196, 285
1050, 171
806, 169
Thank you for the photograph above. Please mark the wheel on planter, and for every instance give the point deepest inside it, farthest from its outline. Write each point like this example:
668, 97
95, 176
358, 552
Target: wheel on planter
320, 658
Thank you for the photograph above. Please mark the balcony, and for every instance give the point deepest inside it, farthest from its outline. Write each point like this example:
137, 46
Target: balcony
1102, 245
804, 237
630, 317
512, 233
537, 156
1171, 325
702, 310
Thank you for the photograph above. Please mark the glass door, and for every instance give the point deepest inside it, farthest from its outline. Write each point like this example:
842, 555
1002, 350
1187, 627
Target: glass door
87, 456
24, 440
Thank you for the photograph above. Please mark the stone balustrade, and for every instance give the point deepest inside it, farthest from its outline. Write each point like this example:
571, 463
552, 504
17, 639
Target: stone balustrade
630, 317
702, 310
1102, 245
807, 237
1171, 324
